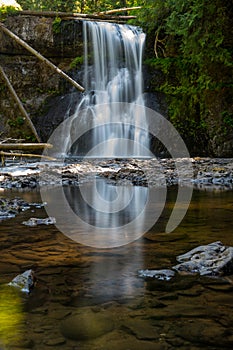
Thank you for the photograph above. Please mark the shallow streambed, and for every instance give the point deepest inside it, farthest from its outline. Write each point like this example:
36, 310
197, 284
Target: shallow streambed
93, 299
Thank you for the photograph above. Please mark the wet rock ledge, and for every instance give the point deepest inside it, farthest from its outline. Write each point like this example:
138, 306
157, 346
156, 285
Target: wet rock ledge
200, 172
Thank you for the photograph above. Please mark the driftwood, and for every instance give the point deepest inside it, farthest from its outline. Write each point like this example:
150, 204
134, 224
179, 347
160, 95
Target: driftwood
40, 57
20, 105
2, 153
24, 146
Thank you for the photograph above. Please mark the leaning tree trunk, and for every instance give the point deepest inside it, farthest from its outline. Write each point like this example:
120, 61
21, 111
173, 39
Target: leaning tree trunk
21, 107
40, 57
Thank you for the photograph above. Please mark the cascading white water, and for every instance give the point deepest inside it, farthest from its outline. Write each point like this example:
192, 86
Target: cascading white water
113, 74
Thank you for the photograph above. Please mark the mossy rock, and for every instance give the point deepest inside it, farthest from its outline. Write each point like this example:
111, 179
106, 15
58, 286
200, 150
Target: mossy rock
87, 325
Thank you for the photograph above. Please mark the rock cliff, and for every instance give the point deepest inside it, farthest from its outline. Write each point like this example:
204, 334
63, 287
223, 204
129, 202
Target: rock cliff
34, 82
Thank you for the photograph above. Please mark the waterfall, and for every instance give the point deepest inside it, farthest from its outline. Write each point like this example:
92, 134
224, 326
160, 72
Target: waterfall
113, 82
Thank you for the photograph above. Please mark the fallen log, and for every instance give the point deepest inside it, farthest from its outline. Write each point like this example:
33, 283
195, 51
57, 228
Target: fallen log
41, 57
3, 154
24, 146
72, 15
116, 20
55, 14
20, 105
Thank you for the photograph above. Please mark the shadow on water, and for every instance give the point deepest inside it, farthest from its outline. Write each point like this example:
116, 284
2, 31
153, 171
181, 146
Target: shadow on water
88, 298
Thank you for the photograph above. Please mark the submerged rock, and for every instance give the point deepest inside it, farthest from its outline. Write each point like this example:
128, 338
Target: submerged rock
87, 325
9, 208
163, 275
37, 221
213, 259
25, 281
7, 214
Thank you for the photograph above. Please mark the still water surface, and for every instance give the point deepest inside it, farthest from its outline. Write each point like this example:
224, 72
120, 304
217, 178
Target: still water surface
87, 298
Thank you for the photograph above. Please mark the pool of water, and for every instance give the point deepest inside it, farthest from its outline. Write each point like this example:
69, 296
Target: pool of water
92, 299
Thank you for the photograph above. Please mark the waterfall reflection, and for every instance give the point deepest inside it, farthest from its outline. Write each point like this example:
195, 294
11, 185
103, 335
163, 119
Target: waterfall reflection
107, 206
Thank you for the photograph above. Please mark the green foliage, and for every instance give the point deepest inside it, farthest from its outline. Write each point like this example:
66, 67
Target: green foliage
164, 64
6, 11
87, 6
17, 122
227, 118
153, 15
193, 46
90, 6
57, 25
49, 5
78, 61
20, 130
2, 87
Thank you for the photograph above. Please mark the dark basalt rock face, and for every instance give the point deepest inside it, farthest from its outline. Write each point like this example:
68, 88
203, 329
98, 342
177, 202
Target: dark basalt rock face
40, 33
34, 82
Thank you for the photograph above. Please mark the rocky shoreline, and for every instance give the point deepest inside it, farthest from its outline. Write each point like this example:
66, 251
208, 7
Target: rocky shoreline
202, 173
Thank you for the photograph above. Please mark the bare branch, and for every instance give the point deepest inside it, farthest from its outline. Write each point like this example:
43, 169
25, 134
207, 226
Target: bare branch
124, 9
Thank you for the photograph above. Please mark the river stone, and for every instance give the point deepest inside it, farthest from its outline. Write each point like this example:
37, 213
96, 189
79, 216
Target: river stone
213, 259
37, 221
10, 207
55, 342
207, 332
141, 329
131, 343
25, 282
86, 326
163, 275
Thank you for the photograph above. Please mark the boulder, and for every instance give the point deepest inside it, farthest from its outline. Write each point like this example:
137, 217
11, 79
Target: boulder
213, 259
